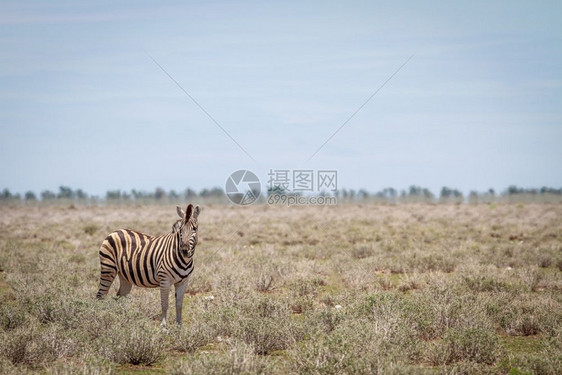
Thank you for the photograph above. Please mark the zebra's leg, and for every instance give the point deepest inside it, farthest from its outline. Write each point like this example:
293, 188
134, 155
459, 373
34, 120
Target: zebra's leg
107, 275
164, 295
124, 287
180, 291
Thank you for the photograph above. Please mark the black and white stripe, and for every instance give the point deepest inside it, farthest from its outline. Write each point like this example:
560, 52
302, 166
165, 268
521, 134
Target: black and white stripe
151, 262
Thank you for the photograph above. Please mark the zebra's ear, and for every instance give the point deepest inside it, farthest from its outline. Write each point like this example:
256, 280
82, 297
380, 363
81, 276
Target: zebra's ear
188, 212
180, 211
196, 212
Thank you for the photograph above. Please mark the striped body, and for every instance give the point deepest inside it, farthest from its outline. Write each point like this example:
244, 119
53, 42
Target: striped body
151, 261
142, 260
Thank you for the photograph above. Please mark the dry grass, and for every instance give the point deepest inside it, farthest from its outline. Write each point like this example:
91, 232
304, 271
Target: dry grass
347, 289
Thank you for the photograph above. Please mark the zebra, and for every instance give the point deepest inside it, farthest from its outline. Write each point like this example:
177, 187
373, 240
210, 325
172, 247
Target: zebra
151, 261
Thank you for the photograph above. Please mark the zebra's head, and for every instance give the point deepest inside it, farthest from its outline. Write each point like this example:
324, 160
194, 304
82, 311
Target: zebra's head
187, 229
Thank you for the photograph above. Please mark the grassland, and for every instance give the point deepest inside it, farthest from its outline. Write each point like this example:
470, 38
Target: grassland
389, 289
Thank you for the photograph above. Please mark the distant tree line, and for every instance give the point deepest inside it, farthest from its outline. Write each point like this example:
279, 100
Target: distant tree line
412, 194
66, 194
160, 194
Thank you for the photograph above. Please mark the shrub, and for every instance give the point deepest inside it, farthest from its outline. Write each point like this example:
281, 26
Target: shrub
192, 336
548, 361
12, 316
265, 323
468, 368
200, 283
300, 305
536, 364
362, 252
468, 344
545, 261
433, 262
410, 282
305, 287
527, 315
260, 320
91, 229
17, 346
327, 319
445, 305
329, 354
303, 292
91, 366
485, 283
264, 283
393, 311
8, 368
137, 345
354, 347
240, 358
266, 334
265, 307
30, 347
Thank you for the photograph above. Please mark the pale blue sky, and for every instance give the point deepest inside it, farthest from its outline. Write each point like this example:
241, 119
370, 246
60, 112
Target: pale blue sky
478, 106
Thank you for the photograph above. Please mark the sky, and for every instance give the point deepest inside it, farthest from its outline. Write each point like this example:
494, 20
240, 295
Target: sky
478, 105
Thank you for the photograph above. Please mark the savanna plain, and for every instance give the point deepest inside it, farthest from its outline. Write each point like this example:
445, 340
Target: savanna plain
346, 289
